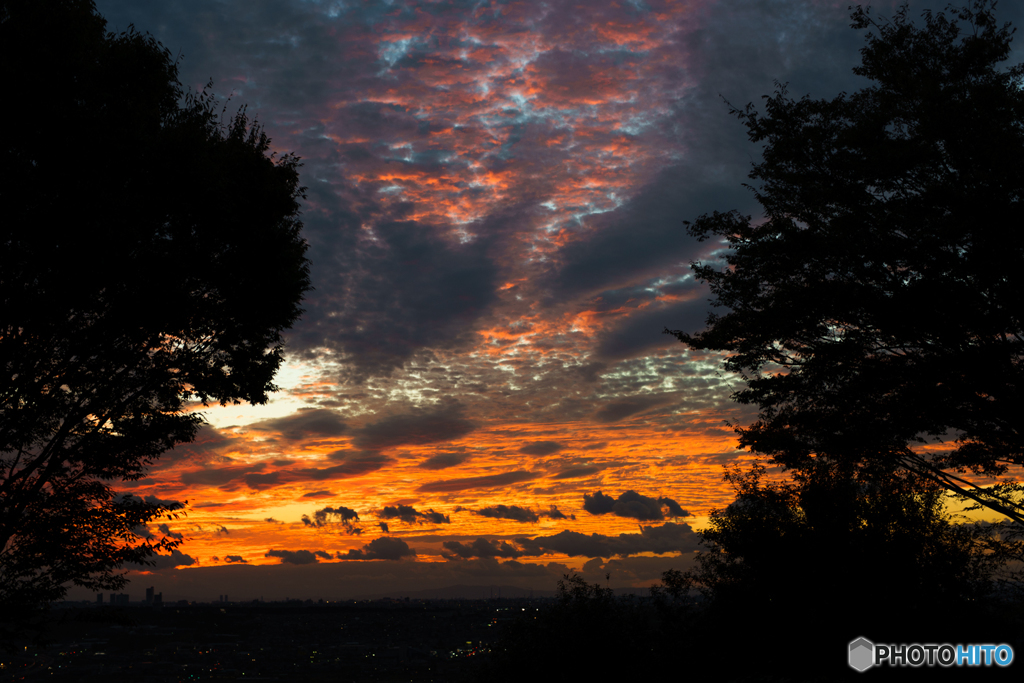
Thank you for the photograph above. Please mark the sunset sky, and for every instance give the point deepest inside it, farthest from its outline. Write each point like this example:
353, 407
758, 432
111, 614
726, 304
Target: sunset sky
479, 391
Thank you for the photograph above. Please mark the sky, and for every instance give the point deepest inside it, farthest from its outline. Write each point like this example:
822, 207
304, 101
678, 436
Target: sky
479, 391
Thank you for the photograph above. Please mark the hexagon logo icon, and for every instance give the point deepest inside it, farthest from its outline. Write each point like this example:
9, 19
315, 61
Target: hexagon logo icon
862, 654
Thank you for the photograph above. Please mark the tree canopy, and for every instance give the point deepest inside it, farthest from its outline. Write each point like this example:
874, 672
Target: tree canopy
878, 305
150, 259
824, 559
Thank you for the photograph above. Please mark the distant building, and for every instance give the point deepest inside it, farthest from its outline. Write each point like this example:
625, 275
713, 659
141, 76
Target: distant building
154, 598
99, 598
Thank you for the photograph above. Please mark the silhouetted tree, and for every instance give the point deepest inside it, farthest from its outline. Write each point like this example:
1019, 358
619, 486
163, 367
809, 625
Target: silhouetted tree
150, 258
825, 558
880, 302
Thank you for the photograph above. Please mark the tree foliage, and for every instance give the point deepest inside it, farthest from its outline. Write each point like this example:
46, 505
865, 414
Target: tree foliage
150, 258
878, 304
825, 558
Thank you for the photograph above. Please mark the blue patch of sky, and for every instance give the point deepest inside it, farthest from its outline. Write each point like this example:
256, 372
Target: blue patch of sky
394, 50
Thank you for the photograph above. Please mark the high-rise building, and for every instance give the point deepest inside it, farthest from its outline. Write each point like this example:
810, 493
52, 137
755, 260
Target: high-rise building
149, 595
99, 598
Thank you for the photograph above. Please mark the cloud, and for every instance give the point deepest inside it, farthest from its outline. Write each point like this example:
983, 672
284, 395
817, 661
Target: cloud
353, 464
235, 559
598, 503
554, 513
542, 448
482, 548
444, 460
614, 411
407, 288
660, 540
667, 538
643, 333
489, 481
582, 471
328, 515
304, 424
223, 530
674, 509
512, 512
219, 476
416, 428
259, 482
175, 559
633, 505
410, 515
383, 548
209, 446
166, 531
318, 494
293, 556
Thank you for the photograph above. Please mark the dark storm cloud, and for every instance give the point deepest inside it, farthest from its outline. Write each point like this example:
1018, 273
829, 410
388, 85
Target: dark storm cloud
512, 512
444, 460
411, 515
633, 505
489, 481
416, 428
541, 448
383, 548
293, 556
307, 423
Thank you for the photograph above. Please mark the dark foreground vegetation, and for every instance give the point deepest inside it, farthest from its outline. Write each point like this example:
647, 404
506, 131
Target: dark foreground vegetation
790, 575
